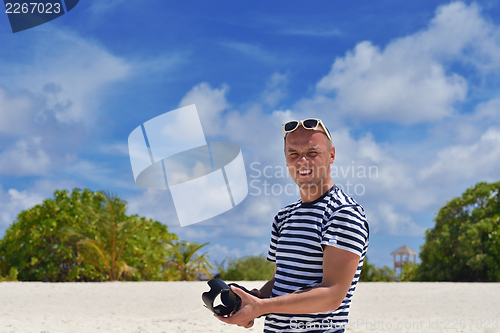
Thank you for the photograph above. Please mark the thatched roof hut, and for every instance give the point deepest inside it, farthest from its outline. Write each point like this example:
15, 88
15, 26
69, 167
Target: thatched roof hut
404, 253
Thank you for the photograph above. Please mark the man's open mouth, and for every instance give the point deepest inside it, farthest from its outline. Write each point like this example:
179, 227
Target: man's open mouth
305, 172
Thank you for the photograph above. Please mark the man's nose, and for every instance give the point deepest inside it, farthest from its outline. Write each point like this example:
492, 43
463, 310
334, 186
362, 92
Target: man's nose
303, 158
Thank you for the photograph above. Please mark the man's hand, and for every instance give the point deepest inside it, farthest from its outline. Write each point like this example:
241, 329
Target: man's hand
255, 291
249, 310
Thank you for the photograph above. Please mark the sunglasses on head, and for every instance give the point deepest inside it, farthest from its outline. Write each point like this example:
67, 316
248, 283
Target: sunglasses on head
309, 124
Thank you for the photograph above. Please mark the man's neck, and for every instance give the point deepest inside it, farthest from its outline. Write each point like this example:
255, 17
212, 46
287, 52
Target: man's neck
315, 192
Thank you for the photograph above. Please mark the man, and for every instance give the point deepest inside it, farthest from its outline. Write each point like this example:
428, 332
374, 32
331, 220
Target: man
318, 244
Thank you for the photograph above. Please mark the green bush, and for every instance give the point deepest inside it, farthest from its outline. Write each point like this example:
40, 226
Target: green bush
250, 268
52, 241
409, 272
12, 276
370, 273
464, 244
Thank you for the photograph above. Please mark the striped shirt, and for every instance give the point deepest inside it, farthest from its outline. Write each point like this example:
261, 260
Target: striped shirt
299, 233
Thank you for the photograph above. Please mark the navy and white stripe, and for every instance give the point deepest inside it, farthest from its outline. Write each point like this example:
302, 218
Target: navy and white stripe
299, 233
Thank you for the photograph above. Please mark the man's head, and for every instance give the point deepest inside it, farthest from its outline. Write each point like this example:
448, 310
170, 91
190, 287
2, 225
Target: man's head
309, 153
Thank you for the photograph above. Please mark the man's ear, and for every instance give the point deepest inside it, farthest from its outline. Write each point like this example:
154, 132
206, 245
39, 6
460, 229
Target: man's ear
332, 155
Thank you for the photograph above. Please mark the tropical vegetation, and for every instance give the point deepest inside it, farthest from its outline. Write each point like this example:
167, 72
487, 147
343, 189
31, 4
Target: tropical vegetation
186, 263
85, 236
250, 268
370, 273
464, 244
12, 276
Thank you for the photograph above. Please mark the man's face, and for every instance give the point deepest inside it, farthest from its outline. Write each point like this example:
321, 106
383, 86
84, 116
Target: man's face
308, 158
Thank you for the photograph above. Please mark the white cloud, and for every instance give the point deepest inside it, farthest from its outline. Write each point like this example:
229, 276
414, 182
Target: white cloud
114, 149
275, 90
158, 65
182, 174
253, 248
488, 112
25, 157
466, 163
249, 220
461, 31
249, 123
154, 204
93, 172
385, 219
218, 253
372, 173
387, 86
71, 78
210, 103
468, 128
89, 68
18, 112
49, 98
409, 80
13, 201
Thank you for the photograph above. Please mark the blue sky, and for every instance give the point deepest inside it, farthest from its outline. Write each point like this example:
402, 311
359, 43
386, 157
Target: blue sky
409, 90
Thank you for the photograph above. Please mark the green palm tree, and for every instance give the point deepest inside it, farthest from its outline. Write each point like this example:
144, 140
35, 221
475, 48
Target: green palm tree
186, 262
104, 248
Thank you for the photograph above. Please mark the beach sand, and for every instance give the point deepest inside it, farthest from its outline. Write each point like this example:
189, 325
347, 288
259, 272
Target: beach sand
177, 307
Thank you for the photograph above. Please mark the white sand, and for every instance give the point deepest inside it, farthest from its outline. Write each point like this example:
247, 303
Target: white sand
177, 307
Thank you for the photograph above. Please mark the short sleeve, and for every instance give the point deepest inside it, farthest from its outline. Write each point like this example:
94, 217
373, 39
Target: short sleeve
271, 255
347, 229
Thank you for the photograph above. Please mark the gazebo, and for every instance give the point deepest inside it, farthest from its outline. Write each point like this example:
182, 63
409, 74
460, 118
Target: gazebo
404, 253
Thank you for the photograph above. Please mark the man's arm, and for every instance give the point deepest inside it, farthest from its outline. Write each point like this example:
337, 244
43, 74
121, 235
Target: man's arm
267, 288
339, 267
